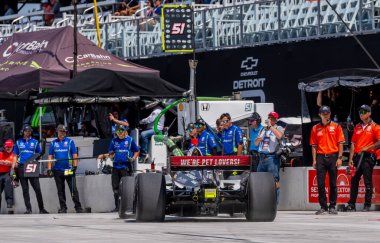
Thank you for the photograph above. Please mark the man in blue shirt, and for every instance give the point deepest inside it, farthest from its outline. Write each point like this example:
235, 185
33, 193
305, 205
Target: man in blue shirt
64, 151
206, 141
124, 151
255, 127
232, 136
25, 149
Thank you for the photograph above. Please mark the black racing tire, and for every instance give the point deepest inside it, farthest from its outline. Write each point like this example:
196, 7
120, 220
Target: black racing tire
262, 197
126, 195
150, 197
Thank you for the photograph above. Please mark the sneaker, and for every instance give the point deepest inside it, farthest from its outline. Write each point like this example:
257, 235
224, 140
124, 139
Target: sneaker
333, 211
79, 210
11, 212
43, 211
146, 158
366, 208
350, 208
321, 211
28, 211
62, 210
115, 210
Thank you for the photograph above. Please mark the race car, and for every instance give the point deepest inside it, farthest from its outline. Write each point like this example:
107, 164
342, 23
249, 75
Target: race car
199, 185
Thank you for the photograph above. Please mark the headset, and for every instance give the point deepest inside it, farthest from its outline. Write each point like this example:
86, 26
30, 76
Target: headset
257, 117
26, 126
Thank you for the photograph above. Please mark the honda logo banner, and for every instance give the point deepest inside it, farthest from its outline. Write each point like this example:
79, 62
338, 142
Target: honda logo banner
343, 183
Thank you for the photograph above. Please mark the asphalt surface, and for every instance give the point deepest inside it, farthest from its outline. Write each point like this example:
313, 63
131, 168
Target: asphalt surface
107, 227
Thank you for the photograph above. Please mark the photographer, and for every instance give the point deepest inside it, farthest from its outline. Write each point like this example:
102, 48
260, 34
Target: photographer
365, 140
268, 141
124, 151
326, 142
255, 127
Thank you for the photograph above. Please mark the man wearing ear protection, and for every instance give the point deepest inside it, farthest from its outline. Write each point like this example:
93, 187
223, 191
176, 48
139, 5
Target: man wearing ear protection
25, 149
206, 141
63, 149
124, 151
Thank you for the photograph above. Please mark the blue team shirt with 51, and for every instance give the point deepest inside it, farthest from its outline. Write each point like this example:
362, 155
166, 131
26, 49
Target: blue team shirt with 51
25, 149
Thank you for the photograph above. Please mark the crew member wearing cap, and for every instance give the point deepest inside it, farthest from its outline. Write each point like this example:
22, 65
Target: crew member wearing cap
232, 138
191, 133
255, 127
124, 151
64, 151
326, 142
268, 141
28, 148
6, 160
365, 140
206, 141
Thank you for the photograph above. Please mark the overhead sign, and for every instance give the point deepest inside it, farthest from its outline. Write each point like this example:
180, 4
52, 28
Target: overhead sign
177, 28
343, 183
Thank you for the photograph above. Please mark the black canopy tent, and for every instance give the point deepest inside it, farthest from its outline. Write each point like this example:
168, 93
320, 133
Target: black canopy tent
350, 87
100, 88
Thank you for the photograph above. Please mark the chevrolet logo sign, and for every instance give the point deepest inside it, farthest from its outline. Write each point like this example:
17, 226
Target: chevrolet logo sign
249, 63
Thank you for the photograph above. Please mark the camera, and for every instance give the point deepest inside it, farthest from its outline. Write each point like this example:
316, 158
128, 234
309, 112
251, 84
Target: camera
284, 153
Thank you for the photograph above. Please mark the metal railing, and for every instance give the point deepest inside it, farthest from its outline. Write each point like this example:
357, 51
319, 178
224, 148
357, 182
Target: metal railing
235, 23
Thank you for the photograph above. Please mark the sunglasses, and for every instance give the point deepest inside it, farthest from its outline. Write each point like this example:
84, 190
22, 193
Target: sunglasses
119, 131
224, 121
325, 113
198, 125
363, 112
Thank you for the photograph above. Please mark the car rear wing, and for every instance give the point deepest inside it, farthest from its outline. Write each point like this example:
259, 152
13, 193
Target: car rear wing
210, 162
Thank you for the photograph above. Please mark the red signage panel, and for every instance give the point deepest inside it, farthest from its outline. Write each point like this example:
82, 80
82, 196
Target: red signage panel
343, 183
207, 161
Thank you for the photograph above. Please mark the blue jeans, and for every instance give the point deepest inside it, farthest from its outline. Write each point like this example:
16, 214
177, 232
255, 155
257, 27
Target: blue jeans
145, 138
270, 163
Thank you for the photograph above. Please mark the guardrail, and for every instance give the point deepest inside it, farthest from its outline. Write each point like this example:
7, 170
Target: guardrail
235, 23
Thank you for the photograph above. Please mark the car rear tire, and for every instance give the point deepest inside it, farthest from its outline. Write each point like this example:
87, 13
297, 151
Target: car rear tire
261, 192
151, 197
126, 194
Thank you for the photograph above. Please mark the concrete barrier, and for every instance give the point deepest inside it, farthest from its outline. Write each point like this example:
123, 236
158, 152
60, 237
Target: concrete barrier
95, 192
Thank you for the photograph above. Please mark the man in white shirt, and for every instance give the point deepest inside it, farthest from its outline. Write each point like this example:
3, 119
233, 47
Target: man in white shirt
149, 132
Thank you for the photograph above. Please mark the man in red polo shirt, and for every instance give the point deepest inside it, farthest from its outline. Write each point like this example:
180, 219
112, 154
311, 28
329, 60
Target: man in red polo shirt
6, 160
327, 148
365, 140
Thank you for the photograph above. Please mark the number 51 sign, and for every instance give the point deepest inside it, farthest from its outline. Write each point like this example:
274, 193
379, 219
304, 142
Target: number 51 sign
177, 28
32, 169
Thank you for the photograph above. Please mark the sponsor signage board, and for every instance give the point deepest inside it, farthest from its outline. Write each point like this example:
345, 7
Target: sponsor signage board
343, 184
210, 161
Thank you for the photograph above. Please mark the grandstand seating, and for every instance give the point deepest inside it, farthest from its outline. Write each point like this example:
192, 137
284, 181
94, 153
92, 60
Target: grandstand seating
228, 24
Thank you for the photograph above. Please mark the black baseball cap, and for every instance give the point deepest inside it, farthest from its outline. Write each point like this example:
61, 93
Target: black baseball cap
200, 121
27, 127
365, 108
120, 127
324, 109
254, 117
61, 127
190, 126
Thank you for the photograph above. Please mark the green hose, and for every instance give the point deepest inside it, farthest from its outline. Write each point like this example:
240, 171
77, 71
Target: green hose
172, 147
158, 132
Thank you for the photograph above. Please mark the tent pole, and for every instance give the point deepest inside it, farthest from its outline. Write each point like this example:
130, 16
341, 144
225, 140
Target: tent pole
75, 53
40, 116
